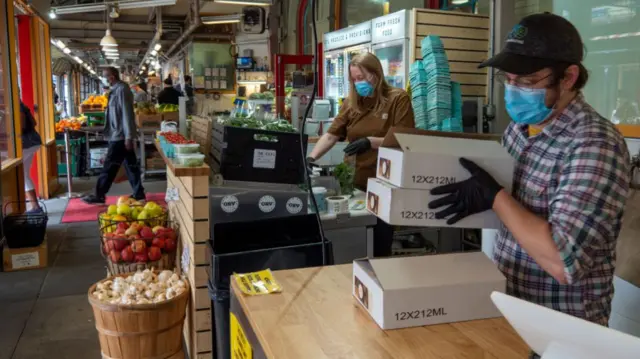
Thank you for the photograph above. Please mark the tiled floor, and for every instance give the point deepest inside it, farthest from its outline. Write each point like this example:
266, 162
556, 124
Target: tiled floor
44, 313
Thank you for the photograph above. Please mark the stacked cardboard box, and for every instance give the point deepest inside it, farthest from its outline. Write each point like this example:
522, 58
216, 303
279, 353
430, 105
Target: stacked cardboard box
411, 162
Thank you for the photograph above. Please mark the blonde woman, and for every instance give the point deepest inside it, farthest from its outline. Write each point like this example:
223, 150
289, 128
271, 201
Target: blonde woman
364, 119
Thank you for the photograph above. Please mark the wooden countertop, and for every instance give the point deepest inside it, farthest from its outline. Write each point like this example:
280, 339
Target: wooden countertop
316, 317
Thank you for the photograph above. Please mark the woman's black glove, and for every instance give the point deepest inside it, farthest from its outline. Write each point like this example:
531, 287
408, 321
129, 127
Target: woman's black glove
358, 146
468, 197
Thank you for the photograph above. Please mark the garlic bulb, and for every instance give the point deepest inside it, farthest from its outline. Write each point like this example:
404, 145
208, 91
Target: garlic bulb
143, 287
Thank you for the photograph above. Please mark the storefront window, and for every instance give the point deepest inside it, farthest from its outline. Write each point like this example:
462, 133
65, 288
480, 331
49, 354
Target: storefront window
7, 148
610, 30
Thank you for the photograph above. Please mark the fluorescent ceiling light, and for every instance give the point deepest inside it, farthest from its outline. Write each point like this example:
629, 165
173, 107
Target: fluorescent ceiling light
144, 67
222, 19
154, 53
140, 73
66, 50
246, 2
158, 66
146, 3
459, 2
79, 9
108, 40
157, 47
78, 60
52, 14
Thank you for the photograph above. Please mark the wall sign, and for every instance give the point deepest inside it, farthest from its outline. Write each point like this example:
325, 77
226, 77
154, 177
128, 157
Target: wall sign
350, 36
390, 27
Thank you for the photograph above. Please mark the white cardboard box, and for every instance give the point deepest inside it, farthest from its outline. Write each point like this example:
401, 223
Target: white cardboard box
427, 161
410, 207
407, 292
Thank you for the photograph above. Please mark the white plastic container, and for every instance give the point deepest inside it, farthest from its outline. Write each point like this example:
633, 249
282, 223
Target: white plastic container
191, 159
187, 148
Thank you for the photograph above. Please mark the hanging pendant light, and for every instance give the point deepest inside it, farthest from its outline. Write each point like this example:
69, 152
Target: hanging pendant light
108, 40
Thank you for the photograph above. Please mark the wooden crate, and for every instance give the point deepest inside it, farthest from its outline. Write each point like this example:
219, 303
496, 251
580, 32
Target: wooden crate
466, 41
201, 128
148, 120
191, 212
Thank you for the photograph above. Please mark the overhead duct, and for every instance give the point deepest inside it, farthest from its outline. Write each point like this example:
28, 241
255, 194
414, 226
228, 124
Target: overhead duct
195, 24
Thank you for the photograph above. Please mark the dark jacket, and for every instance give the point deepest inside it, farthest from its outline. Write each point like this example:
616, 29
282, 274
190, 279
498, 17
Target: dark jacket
30, 136
169, 96
119, 117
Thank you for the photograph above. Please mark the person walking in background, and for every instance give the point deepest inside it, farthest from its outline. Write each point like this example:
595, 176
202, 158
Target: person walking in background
120, 130
169, 95
188, 91
140, 93
31, 142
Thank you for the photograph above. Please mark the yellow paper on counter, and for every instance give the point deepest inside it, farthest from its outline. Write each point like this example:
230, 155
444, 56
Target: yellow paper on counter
240, 347
257, 283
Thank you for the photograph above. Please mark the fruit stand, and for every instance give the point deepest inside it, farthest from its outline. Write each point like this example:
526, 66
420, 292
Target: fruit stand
93, 108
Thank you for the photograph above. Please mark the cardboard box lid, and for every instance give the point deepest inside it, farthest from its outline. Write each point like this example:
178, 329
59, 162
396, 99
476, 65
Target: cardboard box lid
459, 147
391, 141
433, 271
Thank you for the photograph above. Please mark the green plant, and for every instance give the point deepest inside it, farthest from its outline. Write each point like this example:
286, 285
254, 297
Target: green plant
345, 175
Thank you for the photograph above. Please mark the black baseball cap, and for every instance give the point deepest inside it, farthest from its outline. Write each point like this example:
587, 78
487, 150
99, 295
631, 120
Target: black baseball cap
538, 41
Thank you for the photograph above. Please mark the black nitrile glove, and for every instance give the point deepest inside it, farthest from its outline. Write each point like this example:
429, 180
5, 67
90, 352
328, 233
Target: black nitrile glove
468, 197
358, 146
311, 164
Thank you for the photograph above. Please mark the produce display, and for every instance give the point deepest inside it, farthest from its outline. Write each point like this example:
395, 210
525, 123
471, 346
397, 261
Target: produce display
100, 101
191, 160
175, 138
138, 243
251, 122
72, 123
167, 108
145, 108
268, 95
129, 210
142, 287
186, 148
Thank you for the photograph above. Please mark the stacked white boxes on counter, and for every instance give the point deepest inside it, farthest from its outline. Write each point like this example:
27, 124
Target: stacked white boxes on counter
411, 162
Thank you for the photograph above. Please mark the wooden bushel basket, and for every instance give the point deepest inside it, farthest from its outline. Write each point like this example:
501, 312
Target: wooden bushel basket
142, 331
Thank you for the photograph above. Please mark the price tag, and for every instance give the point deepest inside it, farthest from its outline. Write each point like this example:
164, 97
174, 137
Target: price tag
264, 158
240, 347
25, 260
171, 195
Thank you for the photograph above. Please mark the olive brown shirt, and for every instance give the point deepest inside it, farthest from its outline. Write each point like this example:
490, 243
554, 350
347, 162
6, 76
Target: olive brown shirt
396, 112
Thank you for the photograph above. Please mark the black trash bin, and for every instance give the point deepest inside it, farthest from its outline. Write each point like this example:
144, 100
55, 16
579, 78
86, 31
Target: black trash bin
241, 247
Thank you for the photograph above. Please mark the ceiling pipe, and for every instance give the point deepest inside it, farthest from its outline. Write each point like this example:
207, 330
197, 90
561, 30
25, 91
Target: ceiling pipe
195, 23
156, 37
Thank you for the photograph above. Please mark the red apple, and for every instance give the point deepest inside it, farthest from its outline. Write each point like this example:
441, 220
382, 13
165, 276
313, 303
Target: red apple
105, 249
122, 226
158, 242
141, 257
110, 244
157, 228
138, 246
155, 254
127, 254
114, 256
170, 233
146, 233
170, 245
134, 237
120, 244
109, 235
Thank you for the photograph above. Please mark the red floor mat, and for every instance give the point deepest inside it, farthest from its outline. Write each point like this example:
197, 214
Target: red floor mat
78, 211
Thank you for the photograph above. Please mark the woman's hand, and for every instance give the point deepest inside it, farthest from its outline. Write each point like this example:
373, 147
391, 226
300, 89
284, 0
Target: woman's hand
358, 146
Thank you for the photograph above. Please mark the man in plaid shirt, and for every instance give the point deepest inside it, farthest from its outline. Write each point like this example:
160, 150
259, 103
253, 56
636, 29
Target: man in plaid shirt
562, 219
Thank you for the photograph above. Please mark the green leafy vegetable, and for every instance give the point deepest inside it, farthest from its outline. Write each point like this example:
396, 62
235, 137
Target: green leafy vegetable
345, 175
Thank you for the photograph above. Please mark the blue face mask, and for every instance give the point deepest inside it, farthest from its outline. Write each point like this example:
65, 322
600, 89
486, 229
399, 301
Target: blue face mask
526, 107
364, 88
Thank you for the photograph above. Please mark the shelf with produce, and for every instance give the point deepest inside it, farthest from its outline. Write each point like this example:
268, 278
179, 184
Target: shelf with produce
182, 171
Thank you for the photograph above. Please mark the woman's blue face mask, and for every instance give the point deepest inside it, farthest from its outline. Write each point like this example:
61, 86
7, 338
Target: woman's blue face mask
364, 88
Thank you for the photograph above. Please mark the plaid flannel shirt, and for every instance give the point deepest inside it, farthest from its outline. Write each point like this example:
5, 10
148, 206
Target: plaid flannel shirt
575, 174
